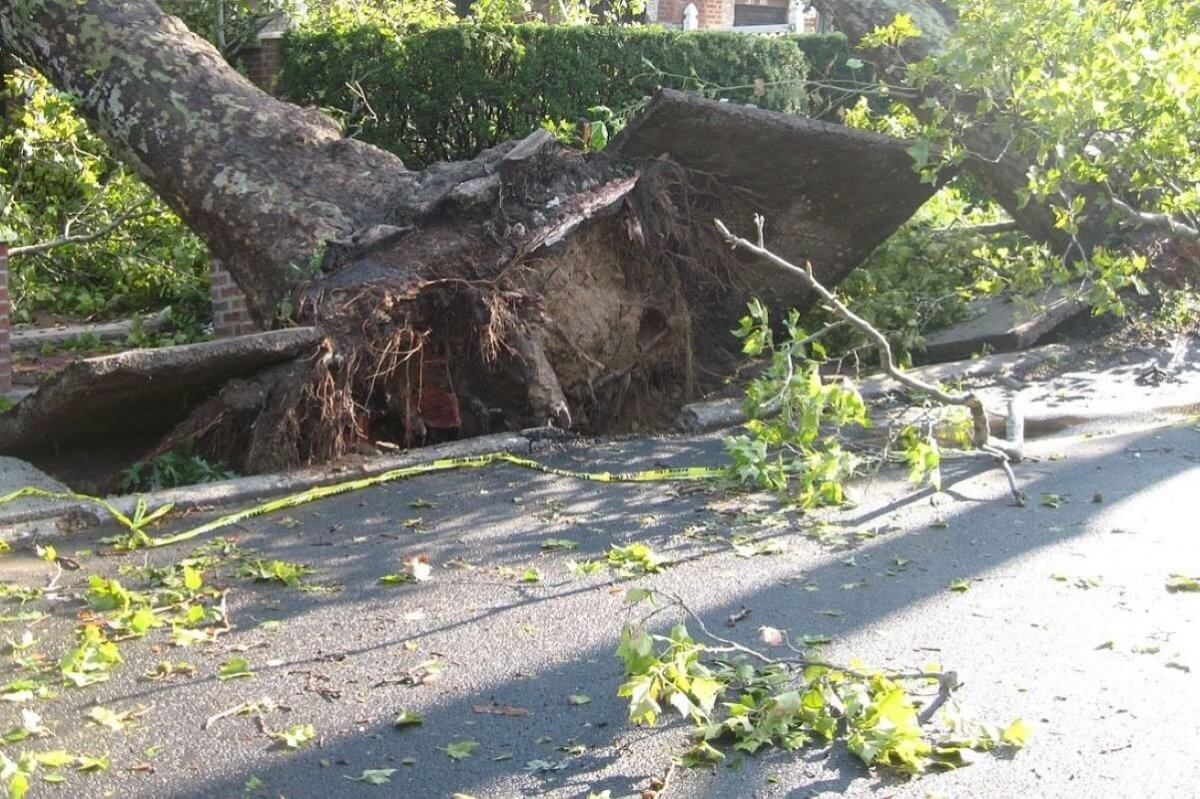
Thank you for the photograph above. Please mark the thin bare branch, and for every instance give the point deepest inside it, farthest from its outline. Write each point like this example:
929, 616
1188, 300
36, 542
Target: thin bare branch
133, 212
986, 229
803, 661
1157, 220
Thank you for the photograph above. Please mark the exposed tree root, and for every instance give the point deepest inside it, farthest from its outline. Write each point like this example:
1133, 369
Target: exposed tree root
600, 331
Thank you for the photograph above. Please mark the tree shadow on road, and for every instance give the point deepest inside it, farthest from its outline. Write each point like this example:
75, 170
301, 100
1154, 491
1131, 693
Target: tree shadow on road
475, 621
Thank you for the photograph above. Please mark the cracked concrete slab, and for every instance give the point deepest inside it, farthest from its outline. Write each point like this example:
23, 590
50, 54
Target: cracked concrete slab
1004, 324
139, 392
16, 474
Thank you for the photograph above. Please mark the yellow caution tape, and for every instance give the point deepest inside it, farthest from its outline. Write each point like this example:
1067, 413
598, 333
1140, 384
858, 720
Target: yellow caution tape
137, 523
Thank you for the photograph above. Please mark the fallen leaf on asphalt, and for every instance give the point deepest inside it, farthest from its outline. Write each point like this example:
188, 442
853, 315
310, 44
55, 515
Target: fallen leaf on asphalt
408, 718
741, 615
460, 750
1053, 500
559, 543
771, 636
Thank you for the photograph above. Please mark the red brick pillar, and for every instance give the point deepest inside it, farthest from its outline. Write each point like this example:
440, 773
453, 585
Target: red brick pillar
263, 61
230, 316
5, 322
715, 13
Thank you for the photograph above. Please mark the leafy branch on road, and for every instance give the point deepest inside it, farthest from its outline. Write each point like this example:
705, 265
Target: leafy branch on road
739, 698
802, 399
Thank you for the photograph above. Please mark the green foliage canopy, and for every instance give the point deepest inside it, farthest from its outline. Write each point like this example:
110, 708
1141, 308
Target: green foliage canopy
57, 179
1104, 95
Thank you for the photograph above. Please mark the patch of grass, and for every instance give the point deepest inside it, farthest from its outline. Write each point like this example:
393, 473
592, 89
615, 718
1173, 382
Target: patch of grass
181, 466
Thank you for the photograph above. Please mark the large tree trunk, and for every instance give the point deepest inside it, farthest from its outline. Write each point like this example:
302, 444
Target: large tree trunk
261, 181
999, 169
529, 285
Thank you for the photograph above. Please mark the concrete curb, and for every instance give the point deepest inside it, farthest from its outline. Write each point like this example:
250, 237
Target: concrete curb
35, 338
16, 522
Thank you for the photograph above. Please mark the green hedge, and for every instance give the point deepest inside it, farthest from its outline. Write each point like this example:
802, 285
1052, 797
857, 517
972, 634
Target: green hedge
447, 93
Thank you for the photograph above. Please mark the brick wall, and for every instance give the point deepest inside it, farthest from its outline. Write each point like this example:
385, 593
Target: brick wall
715, 13
263, 61
230, 317
5, 322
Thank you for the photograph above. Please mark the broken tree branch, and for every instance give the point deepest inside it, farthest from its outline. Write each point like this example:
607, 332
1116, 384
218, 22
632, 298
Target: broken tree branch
946, 679
1156, 220
980, 436
887, 360
133, 212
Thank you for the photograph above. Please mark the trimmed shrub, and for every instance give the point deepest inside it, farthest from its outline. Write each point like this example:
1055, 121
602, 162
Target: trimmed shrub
446, 93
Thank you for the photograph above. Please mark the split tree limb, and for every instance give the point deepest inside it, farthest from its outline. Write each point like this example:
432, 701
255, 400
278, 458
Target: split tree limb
1156, 220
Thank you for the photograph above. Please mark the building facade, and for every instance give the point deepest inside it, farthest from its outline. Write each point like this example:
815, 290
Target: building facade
747, 16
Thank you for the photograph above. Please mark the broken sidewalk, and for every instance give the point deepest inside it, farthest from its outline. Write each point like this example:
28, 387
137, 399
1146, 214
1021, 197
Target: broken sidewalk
137, 393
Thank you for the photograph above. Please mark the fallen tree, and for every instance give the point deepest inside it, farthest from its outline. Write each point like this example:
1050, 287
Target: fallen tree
1078, 118
530, 285
1001, 170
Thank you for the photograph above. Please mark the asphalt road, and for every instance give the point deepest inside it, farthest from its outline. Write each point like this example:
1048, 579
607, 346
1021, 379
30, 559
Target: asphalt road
1116, 720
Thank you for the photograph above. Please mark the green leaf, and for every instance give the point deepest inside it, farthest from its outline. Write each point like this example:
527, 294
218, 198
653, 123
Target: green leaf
1182, 582
108, 718
586, 566
636, 595
192, 579
703, 754
919, 152
56, 758
960, 585
559, 544
460, 750
296, 736
634, 558
234, 668
579, 699
1017, 733
18, 785
1053, 500
90, 763
408, 718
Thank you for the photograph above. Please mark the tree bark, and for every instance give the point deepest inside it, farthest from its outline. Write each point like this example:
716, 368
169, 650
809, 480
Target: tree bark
261, 181
530, 285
